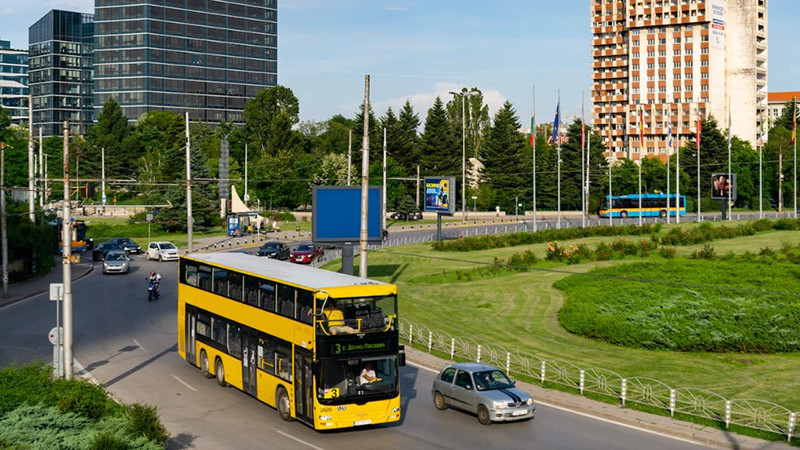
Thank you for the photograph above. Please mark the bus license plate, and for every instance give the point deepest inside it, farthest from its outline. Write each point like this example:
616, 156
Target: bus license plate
362, 422
519, 412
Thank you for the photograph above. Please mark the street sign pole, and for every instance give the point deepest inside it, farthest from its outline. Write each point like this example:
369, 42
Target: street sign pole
56, 293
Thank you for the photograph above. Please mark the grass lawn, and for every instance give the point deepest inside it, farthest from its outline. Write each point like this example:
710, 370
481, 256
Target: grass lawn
520, 311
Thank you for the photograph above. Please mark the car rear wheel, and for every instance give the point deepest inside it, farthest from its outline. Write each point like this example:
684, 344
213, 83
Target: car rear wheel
160, 259
147, 256
483, 415
438, 401
662, 214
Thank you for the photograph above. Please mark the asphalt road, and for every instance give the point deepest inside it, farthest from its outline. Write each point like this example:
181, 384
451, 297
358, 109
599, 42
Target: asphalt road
129, 345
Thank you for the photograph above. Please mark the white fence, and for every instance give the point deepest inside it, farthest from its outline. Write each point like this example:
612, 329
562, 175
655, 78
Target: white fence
752, 413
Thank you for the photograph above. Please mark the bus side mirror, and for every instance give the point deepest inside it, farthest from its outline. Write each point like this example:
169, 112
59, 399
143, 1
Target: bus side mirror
401, 356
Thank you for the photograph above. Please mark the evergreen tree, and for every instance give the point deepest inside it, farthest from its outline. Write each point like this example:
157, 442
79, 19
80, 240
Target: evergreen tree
713, 151
109, 133
439, 144
505, 158
407, 146
261, 111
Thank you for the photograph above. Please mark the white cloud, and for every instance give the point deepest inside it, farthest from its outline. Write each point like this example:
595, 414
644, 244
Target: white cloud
6, 12
423, 101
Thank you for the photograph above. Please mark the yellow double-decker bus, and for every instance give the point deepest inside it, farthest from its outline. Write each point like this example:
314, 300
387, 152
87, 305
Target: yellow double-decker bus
321, 347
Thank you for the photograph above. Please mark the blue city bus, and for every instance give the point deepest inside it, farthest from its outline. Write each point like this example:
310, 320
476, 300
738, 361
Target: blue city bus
653, 205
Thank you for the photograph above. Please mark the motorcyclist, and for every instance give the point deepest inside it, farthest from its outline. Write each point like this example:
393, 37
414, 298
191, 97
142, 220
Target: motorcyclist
154, 278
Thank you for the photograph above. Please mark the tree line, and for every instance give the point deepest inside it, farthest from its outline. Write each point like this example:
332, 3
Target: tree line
145, 160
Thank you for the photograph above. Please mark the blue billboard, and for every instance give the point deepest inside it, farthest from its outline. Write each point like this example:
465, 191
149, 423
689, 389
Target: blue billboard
440, 193
336, 214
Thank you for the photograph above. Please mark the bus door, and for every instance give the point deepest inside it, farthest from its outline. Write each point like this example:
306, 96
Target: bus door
191, 326
249, 349
303, 385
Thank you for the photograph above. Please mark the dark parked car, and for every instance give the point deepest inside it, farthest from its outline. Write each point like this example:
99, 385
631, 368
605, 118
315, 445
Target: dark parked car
483, 390
100, 250
305, 253
414, 215
128, 245
274, 250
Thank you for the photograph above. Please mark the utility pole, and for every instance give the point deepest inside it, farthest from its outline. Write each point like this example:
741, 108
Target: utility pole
246, 195
31, 200
417, 186
66, 245
362, 265
189, 220
3, 229
103, 175
42, 181
383, 212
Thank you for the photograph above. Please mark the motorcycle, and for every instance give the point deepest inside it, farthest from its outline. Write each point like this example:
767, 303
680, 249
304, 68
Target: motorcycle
152, 291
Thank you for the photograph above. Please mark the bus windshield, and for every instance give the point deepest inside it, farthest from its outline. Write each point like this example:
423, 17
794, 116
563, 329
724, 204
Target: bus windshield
357, 315
345, 380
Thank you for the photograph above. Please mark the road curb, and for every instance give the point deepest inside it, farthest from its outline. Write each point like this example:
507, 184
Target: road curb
10, 301
628, 417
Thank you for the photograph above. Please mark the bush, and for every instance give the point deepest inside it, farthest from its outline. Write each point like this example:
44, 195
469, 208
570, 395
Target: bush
143, 421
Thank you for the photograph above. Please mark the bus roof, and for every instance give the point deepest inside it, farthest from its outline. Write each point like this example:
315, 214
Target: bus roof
296, 274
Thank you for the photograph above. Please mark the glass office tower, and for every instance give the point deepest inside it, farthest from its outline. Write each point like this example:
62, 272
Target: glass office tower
14, 82
60, 49
203, 56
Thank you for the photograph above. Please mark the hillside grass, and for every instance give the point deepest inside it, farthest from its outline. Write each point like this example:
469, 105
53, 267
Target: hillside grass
520, 310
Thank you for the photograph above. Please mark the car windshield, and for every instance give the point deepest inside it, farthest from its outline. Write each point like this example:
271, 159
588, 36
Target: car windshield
116, 257
304, 248
166, 246
492, 379
271, 246
342, 381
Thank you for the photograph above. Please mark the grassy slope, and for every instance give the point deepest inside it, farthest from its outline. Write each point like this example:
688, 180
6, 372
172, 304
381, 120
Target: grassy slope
520, 311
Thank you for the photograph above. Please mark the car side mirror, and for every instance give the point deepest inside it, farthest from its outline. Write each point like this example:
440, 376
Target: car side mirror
468, 387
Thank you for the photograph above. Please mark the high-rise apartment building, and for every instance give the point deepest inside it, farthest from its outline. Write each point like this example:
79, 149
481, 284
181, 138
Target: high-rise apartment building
14, 82
676, 60
60, 49
206, 57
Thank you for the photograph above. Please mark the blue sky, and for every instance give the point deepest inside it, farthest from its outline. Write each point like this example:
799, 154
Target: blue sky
418, 49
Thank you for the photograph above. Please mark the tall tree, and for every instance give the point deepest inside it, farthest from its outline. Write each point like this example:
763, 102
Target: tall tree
439, 155
261, 111
713, 158
407, 145
505, 158
375, 137
109, 134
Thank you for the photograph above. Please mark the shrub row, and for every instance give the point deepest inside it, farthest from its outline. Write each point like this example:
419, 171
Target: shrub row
39, 412
540, 237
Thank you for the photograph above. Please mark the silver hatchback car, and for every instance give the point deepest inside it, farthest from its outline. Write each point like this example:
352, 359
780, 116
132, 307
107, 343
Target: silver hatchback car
483, 390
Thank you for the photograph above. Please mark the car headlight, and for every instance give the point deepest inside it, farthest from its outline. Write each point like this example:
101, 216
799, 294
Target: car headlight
500, 405
529, 402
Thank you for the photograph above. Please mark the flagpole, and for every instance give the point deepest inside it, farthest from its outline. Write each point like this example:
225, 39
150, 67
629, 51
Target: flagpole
730, 177
678, 184
610, 159
558, 158
641, 148
669, 147
697, 143
760, 180
583, 181
794, 139
588, 159
533, 144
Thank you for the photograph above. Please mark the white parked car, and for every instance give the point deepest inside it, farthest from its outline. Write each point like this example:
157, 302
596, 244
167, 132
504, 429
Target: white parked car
162, 251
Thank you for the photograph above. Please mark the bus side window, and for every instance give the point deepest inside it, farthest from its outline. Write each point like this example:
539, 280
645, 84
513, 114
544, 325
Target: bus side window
190, 273
305, 304
235, 286
204, 325
286, 300
204, 278
251, 290
235, 341
267, 299
221, 282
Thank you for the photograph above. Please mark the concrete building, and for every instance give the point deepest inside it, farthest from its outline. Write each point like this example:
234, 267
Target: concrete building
676, 59
776, 101
203, 56
14, 82
61, 45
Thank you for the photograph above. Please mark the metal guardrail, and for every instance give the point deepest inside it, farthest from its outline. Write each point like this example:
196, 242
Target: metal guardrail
752, 413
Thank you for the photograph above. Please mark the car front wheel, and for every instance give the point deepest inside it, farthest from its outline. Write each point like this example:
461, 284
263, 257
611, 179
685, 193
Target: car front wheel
147, 256
483, 415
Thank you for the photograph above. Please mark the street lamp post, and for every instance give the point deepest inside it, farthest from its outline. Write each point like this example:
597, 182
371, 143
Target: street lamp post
474, 204
463, 95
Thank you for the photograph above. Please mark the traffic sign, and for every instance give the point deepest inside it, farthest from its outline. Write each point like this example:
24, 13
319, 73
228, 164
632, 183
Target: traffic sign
56, 292
52, 335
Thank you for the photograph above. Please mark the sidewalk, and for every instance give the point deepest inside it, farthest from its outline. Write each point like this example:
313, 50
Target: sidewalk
35, 286
614, 413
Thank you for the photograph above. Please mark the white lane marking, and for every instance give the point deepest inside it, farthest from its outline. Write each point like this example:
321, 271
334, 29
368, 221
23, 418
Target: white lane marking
84, 373
590, 416
298, 440
183, 382
139, 345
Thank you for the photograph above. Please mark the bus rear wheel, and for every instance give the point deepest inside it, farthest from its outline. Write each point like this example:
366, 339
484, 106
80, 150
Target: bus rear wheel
219, 370
282, 404
662, 213
623, 214
204, 364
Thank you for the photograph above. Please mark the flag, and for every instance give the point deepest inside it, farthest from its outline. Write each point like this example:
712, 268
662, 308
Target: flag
669, 132
583, 132
556, 122
641, 132
699, 129
794, 119
533, 129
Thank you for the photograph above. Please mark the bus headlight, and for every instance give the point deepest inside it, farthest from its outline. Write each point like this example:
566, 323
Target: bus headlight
396, 409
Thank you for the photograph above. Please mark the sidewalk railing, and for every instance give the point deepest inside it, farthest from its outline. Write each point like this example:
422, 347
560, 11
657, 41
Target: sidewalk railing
752, 413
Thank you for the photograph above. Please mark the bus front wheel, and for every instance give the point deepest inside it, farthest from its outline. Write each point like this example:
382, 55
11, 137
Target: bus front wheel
219, 370
624, 214
204, 364
283, 405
